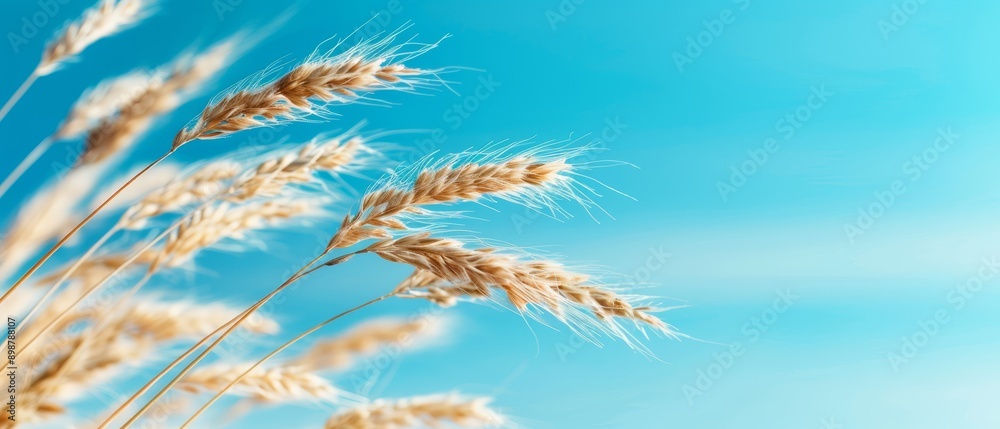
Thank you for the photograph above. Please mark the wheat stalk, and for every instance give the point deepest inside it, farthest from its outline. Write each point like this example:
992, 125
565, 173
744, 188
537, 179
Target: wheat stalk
103, 101
429, 411
446, 271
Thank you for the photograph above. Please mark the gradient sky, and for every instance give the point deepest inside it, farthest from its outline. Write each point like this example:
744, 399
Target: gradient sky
835, 112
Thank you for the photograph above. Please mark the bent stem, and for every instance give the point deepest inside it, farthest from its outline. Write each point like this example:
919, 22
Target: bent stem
100, 284
279, 350
27, 162
72, 232
69, 272
302, 272
19, 93
232, 323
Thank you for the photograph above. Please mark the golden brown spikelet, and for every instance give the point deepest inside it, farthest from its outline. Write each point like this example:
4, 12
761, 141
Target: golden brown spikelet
380, 210
207, 181
209, 225
305, 90
103, 101
107, 18
160, 96
68, 363
340, 352
164, 321
430, 411
280, 384
272, 175
448, 259
95, 269
443, 276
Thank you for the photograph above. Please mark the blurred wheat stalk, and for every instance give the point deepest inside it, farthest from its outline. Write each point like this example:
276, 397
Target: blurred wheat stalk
87, 324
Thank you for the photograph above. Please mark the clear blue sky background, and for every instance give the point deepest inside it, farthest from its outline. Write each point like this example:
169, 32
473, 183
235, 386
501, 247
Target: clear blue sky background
838, 356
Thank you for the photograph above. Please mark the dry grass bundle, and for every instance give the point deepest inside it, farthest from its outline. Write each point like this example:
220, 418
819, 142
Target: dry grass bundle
279, 384
340, 352
109, 17
429, 411
307, 89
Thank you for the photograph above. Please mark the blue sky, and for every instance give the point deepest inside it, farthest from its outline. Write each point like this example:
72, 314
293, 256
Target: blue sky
835, 112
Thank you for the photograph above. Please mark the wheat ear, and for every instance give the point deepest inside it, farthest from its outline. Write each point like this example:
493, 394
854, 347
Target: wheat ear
569, 290
307, 89
430, 411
